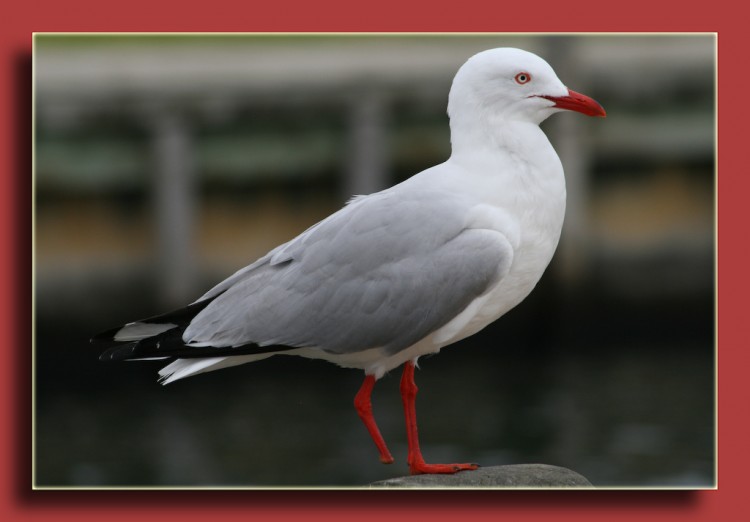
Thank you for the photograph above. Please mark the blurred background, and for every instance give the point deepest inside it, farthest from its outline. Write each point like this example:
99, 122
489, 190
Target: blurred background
165, 163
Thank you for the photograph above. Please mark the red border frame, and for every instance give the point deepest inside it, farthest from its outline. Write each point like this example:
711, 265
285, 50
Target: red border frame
19, 502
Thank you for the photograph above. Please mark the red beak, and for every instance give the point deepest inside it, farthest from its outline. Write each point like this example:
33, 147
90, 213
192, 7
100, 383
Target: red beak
578, 102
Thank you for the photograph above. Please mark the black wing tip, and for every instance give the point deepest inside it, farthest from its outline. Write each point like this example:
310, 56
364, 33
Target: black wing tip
179, 317
118, 353
106, 336
163, 349
169, 344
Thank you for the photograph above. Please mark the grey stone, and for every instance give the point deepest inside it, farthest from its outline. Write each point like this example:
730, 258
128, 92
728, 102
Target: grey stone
512, 476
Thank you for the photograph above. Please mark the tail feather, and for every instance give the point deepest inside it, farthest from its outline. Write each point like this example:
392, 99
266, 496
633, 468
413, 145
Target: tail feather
182, 368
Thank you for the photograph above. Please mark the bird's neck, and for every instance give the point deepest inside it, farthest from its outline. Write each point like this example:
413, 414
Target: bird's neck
512, 165
516, 146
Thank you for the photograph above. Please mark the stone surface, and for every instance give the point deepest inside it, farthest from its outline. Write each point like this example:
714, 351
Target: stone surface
513, 476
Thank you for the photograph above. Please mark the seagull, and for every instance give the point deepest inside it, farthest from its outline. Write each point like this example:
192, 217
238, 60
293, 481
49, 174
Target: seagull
400, 273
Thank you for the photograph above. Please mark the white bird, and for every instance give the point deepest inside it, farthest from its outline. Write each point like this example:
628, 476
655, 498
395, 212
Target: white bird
400, 273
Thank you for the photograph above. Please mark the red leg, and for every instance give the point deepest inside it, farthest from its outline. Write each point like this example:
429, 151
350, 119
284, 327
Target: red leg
417, 464
364, 409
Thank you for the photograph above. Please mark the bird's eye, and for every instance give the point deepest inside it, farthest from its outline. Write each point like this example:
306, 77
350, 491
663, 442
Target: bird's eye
523, 77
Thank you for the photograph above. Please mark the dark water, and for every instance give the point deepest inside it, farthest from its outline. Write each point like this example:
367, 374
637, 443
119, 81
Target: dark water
622, 409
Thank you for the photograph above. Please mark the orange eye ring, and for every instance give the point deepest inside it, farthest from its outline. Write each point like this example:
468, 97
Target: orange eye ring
522, 78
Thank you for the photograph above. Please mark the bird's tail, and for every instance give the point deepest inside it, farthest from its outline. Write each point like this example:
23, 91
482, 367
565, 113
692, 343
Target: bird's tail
181, 368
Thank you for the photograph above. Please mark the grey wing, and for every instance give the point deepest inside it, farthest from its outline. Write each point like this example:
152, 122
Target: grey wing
383, 272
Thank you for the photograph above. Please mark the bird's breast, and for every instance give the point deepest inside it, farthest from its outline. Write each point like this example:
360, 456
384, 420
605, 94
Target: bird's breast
530, 215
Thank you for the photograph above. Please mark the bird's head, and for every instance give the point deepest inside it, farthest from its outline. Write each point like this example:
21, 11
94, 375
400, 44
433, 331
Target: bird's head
513, 84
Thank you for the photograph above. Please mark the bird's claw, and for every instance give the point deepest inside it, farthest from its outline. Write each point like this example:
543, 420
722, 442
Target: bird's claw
424, 468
